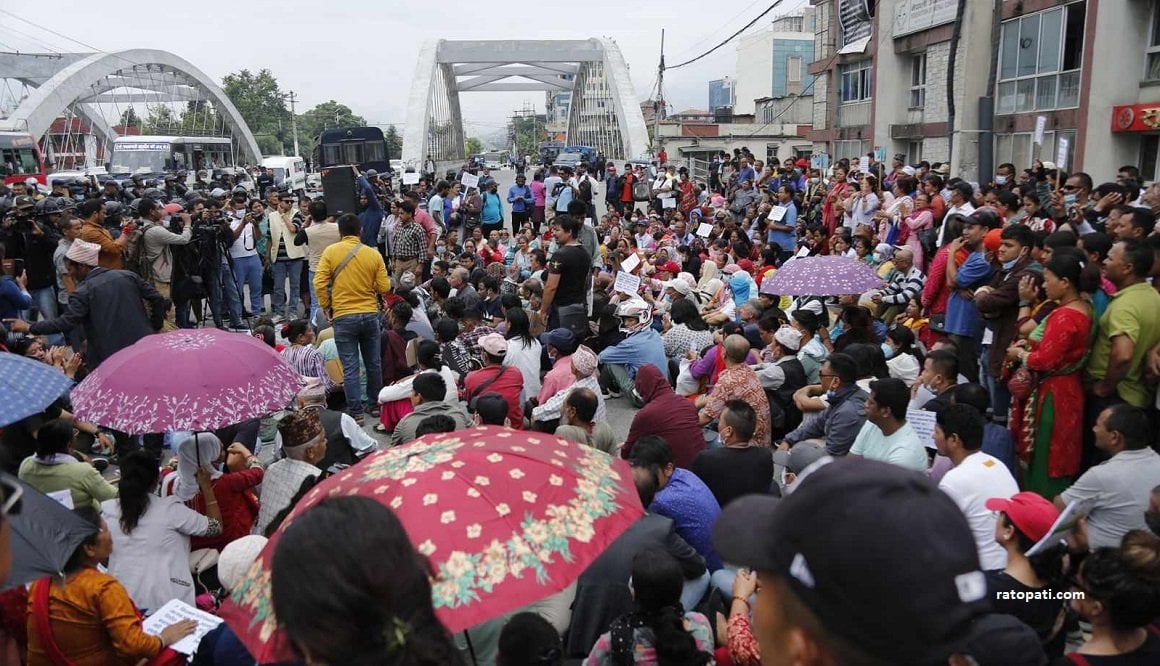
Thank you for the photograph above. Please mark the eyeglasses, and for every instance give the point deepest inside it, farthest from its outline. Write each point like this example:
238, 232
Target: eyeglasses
13, 492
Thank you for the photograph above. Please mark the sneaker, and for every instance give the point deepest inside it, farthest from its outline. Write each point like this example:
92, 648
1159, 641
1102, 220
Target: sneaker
610, 393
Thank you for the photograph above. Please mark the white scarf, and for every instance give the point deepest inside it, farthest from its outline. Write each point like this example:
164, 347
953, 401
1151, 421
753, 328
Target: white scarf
197, 449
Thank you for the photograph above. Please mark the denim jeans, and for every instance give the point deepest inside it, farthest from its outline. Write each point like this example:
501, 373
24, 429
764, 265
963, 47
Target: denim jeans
355, 334
317, 317
693, 591
282, 269
248, 271
230, 296
44, 302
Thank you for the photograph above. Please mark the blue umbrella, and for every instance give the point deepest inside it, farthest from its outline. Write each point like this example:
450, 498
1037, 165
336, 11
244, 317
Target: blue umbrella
27, 387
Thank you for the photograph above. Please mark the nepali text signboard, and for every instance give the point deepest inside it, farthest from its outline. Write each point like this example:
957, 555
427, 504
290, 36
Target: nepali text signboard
912, 16
1136, 118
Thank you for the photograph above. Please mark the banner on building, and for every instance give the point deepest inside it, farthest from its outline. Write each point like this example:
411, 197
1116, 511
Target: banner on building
912, 16
1136, 118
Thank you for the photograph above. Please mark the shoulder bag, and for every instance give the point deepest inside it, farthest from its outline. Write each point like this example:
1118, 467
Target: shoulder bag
474, 396
334, 276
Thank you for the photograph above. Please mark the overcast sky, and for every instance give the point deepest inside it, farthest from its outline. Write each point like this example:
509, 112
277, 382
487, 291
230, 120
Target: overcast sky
362, 53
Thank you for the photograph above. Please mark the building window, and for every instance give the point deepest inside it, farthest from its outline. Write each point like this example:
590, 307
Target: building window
914, 152
850, 149
1149, 154
1019, 148
918, 81
1152, 63
793, 69
1039, 60
856, 81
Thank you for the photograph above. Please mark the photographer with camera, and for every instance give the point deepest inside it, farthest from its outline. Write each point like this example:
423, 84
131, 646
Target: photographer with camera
93, 231
197, 266
34, 237
242, 266
156, 262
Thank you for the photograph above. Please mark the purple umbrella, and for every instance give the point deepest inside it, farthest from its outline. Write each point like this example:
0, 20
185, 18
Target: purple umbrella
821, 276
196, 380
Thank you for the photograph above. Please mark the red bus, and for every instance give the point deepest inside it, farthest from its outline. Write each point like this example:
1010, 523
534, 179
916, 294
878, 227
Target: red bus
20, 158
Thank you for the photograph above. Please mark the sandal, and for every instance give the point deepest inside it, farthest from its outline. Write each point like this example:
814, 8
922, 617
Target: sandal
375, 411
358, 418
381, 429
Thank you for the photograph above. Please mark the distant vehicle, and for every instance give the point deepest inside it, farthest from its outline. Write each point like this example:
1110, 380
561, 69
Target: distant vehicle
398, 166
158, 155
495, 159
289, 171
364, 147
75, 175
20, 158
548, 151
569, 158
588, 152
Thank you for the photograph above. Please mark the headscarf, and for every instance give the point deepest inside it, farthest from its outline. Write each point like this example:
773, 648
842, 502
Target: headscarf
710, 292
199, 448
739, 283
709, 272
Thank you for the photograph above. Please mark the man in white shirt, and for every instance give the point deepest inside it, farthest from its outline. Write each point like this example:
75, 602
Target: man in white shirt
886, 435
958, 204
243, 266
1118, 489
976, 477
550, 183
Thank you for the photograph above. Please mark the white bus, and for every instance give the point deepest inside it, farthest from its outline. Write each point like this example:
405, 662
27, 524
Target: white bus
170, 154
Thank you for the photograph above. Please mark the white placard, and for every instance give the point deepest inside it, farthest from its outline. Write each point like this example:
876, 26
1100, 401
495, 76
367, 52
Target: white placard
704, 229
776, 213
922, 422
410, 178
803, 252
864, 164
469, 180
1061, 527
670, 202
630, 262
1040, 128
1061, 153
626, 283
175, 611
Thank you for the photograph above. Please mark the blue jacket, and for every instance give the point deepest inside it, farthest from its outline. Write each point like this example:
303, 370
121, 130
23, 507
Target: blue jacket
637, 349
372, 216
521, 198
962, 315
12, 299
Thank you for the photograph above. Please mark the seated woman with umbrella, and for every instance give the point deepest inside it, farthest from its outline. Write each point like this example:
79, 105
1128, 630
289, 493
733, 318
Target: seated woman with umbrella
86, 617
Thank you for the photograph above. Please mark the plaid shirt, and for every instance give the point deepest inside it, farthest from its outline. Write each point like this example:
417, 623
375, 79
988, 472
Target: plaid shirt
410, 241
470, 340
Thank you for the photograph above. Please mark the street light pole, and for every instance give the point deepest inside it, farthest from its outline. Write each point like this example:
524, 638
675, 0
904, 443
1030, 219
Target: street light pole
294, 121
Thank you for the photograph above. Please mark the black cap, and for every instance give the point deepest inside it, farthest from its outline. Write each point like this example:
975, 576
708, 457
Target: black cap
881, 556
998, 639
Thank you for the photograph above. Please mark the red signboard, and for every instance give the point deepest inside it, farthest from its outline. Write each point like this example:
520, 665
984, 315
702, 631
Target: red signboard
1136, 118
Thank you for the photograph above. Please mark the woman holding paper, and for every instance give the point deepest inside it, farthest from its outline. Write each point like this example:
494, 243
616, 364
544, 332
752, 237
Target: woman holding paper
86, 618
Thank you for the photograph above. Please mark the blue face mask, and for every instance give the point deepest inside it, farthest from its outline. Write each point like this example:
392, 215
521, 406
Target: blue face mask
1069, 199
1008, 265
887, 350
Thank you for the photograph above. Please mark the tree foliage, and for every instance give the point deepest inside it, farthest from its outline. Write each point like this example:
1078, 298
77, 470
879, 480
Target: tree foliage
129, 118
325, 115
159, 120
473, 145
528, 132
394, 142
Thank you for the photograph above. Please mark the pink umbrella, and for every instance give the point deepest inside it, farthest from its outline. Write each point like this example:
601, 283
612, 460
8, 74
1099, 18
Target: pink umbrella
186, 380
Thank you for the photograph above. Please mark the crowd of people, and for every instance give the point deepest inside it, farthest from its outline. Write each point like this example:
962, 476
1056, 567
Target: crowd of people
867, 478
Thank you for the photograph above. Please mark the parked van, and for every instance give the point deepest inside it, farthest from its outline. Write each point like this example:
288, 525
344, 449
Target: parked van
287, 170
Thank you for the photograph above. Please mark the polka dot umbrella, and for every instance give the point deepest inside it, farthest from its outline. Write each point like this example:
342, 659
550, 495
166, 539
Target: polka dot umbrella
822, 276
27, 387
506, 517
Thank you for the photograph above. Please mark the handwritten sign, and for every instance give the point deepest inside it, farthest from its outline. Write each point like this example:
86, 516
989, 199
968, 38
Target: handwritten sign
923, 423
630, 263
1040, 128
410, 178
469, 180
820, 161
704, 229
626, 283
175, 611
864, 164
776, 213
670, 202
1061, 153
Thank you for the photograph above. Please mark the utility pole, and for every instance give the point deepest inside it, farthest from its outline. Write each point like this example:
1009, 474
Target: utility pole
294, 121
659, 105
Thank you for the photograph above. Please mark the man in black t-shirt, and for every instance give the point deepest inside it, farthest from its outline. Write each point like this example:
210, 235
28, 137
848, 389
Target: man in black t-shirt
740, 468
565, 301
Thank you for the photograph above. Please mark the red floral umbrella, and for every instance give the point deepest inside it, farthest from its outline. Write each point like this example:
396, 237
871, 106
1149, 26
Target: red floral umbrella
189, 379
507, 517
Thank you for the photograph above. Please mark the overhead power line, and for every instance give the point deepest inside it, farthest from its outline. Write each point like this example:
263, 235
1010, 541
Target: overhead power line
730, 37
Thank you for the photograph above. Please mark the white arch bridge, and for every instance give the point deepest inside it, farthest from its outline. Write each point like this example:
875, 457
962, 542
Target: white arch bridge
92, 87
604, 112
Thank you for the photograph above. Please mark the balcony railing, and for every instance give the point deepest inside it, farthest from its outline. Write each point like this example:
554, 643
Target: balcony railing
853, 115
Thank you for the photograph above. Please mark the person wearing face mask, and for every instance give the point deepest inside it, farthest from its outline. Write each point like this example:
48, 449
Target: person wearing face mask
840, 422
940, 371
998, 304
1004, 177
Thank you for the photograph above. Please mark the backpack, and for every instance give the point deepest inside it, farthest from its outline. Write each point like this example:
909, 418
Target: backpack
586, 190
558, 188
135, 259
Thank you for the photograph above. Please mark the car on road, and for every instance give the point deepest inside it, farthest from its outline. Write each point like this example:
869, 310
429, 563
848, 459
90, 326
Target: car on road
569, 158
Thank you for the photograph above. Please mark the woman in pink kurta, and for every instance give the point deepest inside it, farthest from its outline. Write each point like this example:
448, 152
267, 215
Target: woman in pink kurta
917, 222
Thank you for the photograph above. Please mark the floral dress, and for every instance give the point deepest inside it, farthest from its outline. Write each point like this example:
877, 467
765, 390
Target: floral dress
1048, 423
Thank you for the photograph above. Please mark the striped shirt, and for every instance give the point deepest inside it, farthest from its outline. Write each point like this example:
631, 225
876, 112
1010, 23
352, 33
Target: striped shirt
903, 286
308, 361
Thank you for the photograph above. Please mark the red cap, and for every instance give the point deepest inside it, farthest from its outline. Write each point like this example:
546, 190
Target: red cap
746, 265
669, 267
1030, 513
802, 164
993, 239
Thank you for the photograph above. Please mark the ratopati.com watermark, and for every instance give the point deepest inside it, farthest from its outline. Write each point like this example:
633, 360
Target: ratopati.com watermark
1038, 595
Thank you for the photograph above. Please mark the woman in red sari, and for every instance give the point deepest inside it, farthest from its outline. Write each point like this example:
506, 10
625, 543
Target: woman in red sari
831, 205
1047, 405
686, 193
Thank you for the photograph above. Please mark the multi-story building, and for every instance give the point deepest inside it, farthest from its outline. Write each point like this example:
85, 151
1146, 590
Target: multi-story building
721, 94
557, 107
773, 62
1076, 82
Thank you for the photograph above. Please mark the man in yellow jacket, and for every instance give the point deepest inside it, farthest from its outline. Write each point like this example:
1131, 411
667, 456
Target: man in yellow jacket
348, 282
